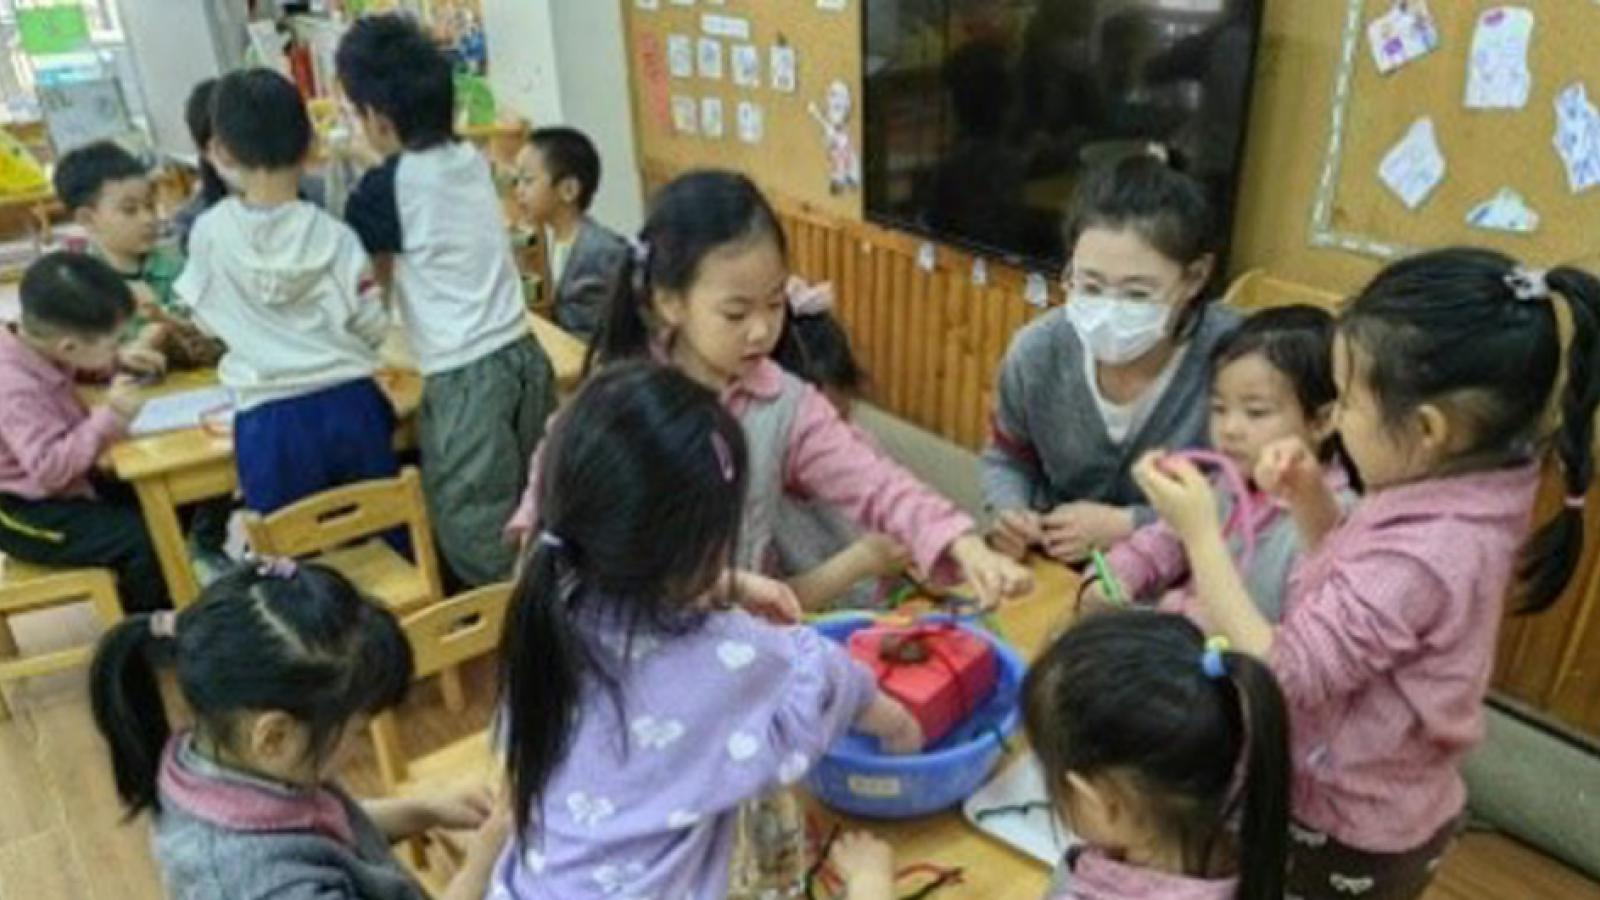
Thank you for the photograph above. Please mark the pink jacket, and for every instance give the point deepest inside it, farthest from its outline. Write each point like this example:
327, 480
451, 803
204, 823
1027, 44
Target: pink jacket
49, 443
1096, 876
1385, 653
829, 460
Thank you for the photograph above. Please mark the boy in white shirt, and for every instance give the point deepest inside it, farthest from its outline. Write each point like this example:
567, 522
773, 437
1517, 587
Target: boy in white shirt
290, 291
430, 217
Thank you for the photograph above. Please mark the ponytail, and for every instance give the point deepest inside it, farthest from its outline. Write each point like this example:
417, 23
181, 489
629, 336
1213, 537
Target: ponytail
542, 664
624, 329
128, 709
1551, 557
1264, 794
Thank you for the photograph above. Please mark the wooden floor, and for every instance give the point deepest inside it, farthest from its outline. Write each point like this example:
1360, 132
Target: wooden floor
62, 837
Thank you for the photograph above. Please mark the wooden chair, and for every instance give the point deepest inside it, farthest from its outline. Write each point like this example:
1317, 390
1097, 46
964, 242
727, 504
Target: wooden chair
343, 529
1257, 290
24, 589
443, 637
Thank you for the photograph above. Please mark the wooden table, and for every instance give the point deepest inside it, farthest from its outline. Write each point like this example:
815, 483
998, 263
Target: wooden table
990, 869
178, 467
565, 350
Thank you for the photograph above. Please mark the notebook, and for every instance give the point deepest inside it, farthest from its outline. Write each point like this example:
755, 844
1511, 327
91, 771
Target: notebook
1013, 809
184, 409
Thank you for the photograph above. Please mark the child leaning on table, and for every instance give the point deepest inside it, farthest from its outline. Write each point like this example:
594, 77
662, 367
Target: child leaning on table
53, 511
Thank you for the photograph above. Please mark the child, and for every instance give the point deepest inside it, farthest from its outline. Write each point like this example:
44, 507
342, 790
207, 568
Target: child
279, 667
52, 512
710, 298
1270, 380
1457, 369
213, 186
828, 560
1166, 757
109, 193
430, 216
640, 714
289, 290
558, 173
1122, 369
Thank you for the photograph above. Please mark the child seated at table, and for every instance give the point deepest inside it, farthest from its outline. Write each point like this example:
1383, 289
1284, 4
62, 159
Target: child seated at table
558, 172
53, 511
290, 290
828, 560
108, 192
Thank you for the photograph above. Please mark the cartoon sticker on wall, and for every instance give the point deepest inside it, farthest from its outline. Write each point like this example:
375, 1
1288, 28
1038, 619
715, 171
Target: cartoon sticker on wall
844, 164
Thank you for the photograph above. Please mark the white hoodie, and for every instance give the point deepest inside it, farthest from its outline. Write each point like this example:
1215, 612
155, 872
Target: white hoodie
290, 291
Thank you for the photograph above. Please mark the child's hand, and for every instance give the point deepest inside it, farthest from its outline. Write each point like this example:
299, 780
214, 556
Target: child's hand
141, 359
897, 731
866, 864
881, 556
124, 398
767, 598
1016, 531
1180, 493
1072, 531
460, 809
993, 577
1288, 470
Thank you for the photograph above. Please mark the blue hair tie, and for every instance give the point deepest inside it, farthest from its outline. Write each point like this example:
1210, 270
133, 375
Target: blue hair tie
1212, 662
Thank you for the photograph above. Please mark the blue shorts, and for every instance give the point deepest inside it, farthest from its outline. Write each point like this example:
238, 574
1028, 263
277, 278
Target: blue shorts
288, 450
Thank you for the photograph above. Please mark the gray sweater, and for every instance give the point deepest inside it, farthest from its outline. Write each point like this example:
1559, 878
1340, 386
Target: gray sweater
225, 835
1049, 445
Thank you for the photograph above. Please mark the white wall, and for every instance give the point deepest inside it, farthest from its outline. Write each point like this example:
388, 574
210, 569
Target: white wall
565, 62
176, 45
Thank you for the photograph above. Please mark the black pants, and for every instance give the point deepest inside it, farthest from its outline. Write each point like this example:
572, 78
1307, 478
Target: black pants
106, 531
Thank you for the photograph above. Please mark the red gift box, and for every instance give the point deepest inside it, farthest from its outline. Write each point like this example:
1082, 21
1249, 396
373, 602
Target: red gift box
941, 673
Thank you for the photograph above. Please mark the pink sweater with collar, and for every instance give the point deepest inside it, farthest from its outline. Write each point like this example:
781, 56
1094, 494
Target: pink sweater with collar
1386, 649
828, 459
49, 442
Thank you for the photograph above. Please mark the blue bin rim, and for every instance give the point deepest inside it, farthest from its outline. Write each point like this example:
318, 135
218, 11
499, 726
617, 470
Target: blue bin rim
837, 626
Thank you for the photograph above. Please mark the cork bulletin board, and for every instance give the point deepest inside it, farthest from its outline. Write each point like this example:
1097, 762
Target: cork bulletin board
791, 156
1485, 150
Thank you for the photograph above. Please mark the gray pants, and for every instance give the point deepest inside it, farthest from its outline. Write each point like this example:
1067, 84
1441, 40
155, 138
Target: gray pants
478, 427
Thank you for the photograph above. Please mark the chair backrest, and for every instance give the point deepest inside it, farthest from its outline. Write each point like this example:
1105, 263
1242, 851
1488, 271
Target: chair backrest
1256, 290
344, 514
447, 634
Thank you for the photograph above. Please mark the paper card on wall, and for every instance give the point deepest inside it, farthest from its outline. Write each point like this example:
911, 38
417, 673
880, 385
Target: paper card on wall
1404, 33
653, 72
1497, 67
980, 273
752, 122
711, 117
680, 55
730, 27
1577, 137
685, 115
1505, 211
1414, 166
48, 30
646, 4
784, 70
927, 256
682, 2
832, 5
747, 66
709, 58
1036, 291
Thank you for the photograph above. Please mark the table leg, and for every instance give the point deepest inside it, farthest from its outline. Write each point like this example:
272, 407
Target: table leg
166, 535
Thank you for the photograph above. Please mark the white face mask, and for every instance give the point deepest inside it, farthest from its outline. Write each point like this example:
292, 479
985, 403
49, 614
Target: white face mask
1117, 330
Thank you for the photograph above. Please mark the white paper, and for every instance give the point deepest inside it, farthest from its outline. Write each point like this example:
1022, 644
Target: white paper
784, 70
1036, 291
980, 273
1033, 828
709, 58
184, 409
680, 55
1505, 211
711, 117
1577, 137
1405, 33
685, 115
747, 66
1414, 167
832, 5
646, 4
730, 27
752, 124
682, 2
1497, 67
927, 256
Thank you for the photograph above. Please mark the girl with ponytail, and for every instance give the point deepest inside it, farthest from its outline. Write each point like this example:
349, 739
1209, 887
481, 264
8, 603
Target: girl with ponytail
280, 665
1459, 372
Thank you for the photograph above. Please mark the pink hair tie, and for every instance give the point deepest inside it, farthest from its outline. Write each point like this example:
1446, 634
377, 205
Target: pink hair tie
277, 567
806, 300
164, 624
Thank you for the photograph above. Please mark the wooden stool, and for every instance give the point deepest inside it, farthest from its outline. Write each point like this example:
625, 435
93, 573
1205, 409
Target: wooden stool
25, 588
